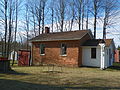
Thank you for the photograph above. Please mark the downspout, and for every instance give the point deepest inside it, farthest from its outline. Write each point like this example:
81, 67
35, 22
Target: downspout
102, 59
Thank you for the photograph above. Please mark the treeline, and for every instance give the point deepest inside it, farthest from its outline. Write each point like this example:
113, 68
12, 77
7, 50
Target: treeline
18, 47
35, 14
62, 13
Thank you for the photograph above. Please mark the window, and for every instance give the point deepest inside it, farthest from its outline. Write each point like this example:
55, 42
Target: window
93, 53
63, 49
42, 49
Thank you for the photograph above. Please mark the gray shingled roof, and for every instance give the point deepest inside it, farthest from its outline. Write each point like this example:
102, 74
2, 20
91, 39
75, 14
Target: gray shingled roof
71, 35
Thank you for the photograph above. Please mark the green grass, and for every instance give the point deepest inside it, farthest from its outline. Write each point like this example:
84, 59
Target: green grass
43, 78
15, 62
116, 64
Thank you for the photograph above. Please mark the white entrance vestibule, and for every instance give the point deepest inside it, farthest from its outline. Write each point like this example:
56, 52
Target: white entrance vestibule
98, 53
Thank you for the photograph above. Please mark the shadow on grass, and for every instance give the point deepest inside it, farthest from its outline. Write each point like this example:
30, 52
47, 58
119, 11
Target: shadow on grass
91, 88
116, 66
55, 72
12, 72
19, 85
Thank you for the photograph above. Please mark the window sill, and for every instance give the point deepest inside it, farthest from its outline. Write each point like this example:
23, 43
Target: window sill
42, 54
63, 55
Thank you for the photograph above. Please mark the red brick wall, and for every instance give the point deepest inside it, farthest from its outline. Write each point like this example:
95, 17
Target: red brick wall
117, 59
53, 55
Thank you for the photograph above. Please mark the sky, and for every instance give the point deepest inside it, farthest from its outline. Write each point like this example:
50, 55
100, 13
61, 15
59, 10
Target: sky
112, 31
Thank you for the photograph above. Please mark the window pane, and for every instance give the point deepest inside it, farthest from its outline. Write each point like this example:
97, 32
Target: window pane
42, 49
93, 52
63, 49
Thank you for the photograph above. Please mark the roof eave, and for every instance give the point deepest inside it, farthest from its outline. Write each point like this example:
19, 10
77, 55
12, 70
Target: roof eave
54, 40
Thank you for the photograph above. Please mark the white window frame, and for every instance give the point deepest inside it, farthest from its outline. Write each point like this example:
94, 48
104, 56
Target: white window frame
41, 49
61, 52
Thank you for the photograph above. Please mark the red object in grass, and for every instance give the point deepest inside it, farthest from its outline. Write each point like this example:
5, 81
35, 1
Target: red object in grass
3, 58
23, 57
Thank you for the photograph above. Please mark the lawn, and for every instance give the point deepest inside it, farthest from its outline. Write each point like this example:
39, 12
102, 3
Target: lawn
45, 78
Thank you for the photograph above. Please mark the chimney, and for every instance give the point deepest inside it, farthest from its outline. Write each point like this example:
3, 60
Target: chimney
47, 30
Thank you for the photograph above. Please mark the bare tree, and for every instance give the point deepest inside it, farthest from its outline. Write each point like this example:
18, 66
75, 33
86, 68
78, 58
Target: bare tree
34, 20
35, 9
52, 13
2, 43
60, 12
43, 14
27, 21
5, 7
110, 12
87, 13
78, 5
72, 13
9, 36
16, 25
11, 13
83, 13
96, 7
34, 15
38, 12
8, 12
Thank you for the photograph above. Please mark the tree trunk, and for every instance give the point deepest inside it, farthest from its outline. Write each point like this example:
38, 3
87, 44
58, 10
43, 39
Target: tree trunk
52, 18
39, 17
5, 46
15, 32
82, 14
43, 9
10, 30
95, 17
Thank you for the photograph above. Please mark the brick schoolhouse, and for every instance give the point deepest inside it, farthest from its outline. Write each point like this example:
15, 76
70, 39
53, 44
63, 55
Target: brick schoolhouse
61, 48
